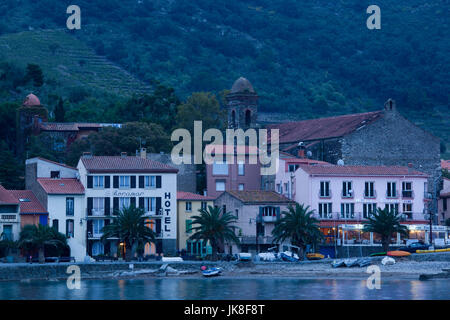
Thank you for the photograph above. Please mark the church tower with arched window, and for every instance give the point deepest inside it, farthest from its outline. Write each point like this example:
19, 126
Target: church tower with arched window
242, 105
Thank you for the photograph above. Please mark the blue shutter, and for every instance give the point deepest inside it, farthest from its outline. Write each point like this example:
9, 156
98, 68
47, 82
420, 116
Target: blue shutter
43, 219
260, 214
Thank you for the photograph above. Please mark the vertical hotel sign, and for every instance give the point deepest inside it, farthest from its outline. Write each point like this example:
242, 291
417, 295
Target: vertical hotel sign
167, 216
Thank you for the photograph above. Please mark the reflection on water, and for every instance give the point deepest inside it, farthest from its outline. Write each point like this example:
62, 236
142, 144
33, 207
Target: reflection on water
230, 289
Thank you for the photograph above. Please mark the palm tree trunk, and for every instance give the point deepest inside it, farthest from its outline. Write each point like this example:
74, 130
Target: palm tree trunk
41, 255
301, 252
385, 243
214, 247
128, 251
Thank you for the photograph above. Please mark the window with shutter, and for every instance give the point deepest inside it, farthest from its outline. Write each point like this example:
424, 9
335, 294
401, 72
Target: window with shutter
158, 181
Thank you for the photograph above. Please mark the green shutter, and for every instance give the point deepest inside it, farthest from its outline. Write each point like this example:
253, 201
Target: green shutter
188, 226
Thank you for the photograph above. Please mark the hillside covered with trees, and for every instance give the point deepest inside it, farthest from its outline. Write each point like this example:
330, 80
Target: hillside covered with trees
310, 58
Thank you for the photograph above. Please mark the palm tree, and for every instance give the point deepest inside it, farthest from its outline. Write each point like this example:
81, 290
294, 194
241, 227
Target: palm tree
130, 226
214, 226
7, 246
385, 223
298, 225
37, 237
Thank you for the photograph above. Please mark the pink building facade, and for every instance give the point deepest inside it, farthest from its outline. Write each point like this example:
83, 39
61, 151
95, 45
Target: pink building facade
343, 197
237, 176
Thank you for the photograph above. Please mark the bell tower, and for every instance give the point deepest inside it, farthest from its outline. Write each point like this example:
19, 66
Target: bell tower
242, 105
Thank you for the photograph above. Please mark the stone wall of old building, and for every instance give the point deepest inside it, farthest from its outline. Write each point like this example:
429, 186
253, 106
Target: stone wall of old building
186, 177
393, 140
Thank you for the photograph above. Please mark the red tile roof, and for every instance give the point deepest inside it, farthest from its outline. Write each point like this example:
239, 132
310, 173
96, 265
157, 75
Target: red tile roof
323, 128
445, 164
259, 196
128, 164
29, 204
181, 195
306, 161
6, 197
332, 170
61, 186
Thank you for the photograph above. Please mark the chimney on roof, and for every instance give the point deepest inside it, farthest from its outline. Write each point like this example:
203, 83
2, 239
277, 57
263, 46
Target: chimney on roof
87, 155
301, 150
123, 154
389, 105
143, 153
410, 165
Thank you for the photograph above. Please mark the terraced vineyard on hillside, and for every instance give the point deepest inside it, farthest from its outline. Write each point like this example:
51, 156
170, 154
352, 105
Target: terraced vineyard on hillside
68, 61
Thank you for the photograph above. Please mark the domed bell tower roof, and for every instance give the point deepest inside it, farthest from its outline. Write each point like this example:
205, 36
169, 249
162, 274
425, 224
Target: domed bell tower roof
242, 85
31, 100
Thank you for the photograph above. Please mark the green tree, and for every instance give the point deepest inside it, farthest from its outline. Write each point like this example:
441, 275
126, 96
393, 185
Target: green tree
385, 223
32, 237
7, 246
215, 227
111, 141
298, 225
11, 170
130, 226
160, 108
201, 106
59, 111
34, 72
8, 123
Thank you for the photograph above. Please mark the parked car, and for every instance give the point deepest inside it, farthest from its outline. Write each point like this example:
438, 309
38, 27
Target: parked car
412, 247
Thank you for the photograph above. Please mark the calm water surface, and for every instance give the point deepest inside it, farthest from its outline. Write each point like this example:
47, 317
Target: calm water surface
226, 288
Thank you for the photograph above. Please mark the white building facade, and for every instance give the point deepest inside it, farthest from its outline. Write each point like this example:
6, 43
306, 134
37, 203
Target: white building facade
59, 190
114, 183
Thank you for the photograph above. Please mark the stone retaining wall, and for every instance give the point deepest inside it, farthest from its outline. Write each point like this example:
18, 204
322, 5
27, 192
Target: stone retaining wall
23, 271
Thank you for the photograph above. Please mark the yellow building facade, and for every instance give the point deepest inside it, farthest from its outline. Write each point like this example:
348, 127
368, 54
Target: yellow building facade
188, 205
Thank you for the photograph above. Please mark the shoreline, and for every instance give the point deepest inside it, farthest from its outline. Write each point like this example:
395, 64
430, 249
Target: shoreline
405, 268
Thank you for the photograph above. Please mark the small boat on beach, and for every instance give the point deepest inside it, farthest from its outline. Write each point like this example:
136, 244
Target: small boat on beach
398, 253
338, 263
351, 262
432, 251
377, 254
364, 262
212, 272
314, 256
245, 256
289, 256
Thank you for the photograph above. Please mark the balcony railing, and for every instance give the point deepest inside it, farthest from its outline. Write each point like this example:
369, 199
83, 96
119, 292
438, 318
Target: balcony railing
367, 195
269, 218
328, 194
9, 218
95, 235
360, 216
407, 194
252, 240
393, 195
349, 195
